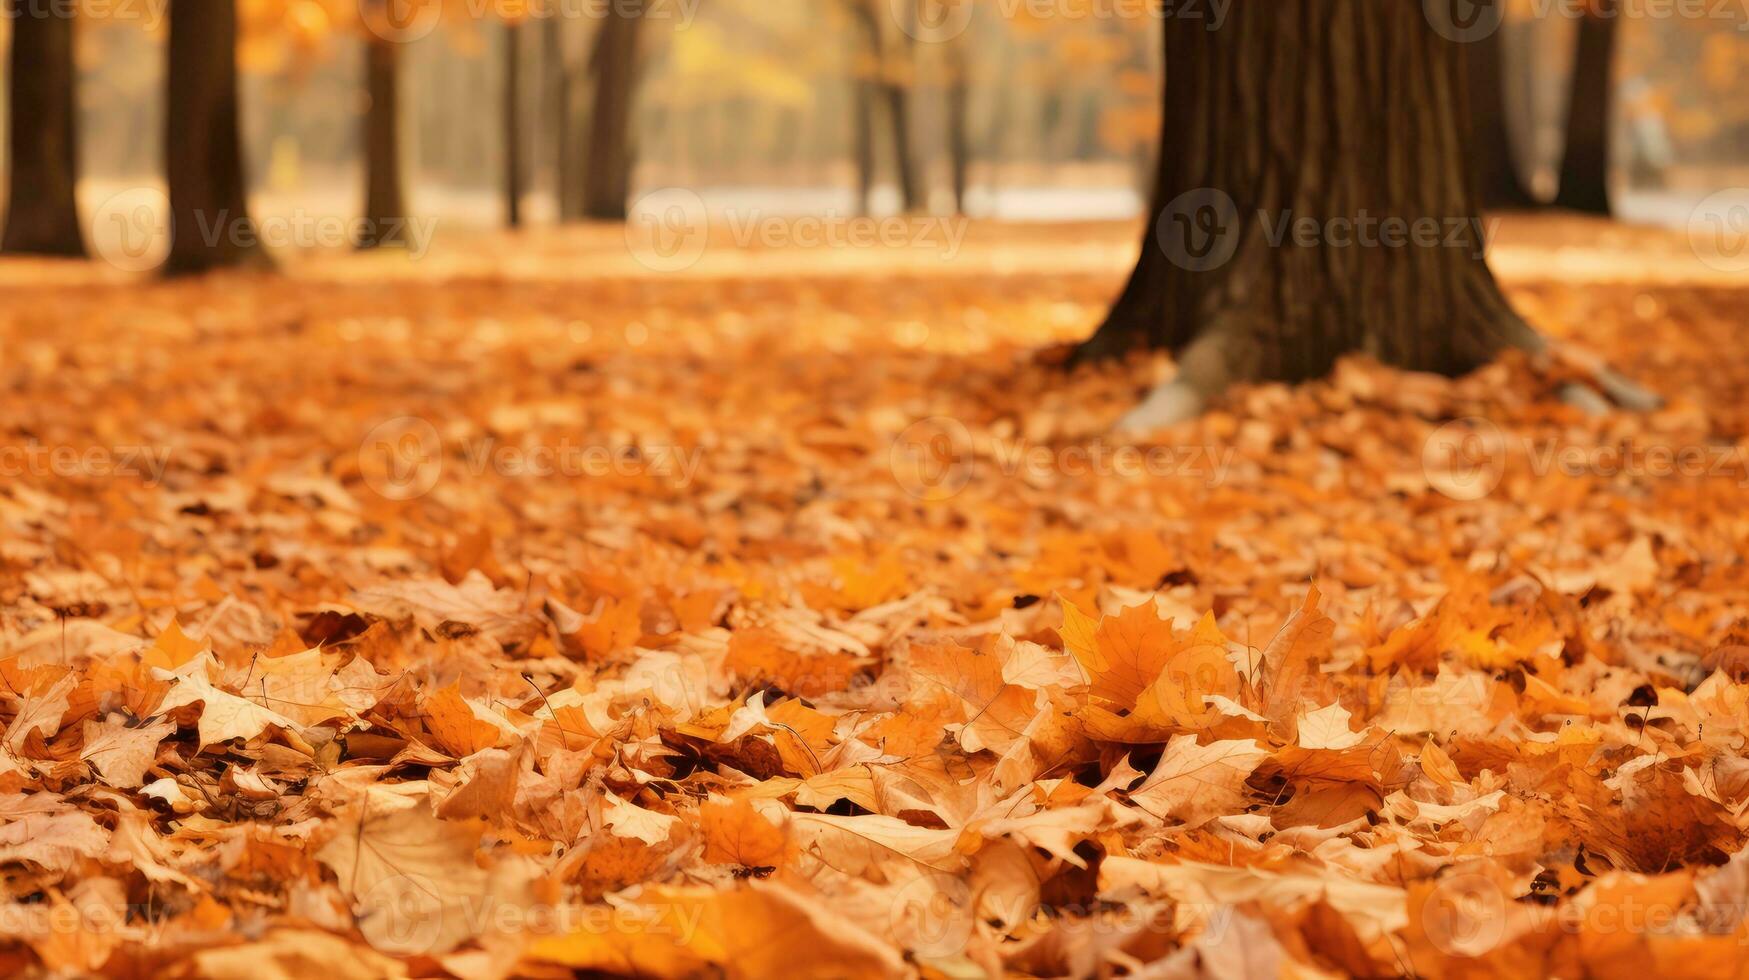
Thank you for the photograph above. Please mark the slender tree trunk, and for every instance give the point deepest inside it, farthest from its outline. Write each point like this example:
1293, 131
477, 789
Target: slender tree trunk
898, 95
1497, 172
863, 135
615, 70
568, 118
1585, 161
513, 124
42, 216
1344, 115
385, 204
203, 147
959, 138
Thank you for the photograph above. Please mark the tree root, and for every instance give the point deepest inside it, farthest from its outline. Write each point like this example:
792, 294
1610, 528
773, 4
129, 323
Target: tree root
1209, 366
1206, 368
1601, 387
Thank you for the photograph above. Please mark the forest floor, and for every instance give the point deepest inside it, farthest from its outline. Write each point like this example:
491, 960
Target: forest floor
526, 607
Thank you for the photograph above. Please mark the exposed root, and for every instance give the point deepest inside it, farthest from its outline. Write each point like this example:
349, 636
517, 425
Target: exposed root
1206, 368
1603, 385
1167, 405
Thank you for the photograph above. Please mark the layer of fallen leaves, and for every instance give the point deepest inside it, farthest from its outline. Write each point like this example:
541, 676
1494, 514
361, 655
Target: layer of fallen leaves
787, 717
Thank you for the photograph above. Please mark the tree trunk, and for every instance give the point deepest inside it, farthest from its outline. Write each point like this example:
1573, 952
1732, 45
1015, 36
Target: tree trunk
614, 66
863, 97
42, 216
1343, 113
1500, 180
959, 138
385, 205
1585, 161
569, 119
513, 124
898, 95
203, 150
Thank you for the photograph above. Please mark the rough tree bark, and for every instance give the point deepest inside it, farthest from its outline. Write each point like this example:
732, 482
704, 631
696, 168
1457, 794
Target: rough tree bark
614, 65
42, 216
1345, 116
513, 124
1585, 161
1499, 178
203, 148
385, 203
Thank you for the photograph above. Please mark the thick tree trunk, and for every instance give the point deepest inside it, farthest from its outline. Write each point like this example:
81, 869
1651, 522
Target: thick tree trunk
42, 216
385, 204
513, 124
1344, 116
1585, 161
203, 150
1500, 180
614, 66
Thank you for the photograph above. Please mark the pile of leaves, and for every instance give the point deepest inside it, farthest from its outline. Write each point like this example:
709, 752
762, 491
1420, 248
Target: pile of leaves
758, 682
